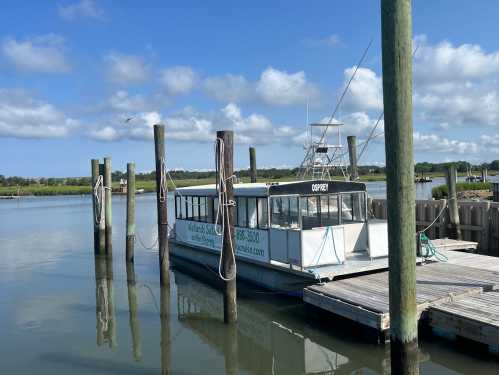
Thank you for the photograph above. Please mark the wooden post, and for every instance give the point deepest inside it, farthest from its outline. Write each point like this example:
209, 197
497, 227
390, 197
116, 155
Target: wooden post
484, 175
109, 215
95, 174
352, 153
455, 231
130, 212
252, 156
396, 35
102, 223
161, 198
133, 308
226, 137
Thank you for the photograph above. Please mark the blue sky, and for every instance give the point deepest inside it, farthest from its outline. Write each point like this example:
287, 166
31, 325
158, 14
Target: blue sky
72, 71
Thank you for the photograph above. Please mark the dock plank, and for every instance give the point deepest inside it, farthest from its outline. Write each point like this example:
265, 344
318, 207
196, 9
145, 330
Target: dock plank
475, 317
365, 299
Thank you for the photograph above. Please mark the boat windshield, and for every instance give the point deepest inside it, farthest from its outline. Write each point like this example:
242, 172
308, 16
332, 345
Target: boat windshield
288, 212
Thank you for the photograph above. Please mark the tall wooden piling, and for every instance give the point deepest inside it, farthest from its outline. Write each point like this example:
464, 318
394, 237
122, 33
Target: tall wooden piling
252, 156
161, 197
225, 155
396, 35
484, 175
102, 221
455, 230
109, 214
352, 153
130, 212
95, 203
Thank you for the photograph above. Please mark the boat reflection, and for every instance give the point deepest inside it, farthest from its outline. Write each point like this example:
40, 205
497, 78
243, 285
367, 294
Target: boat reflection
267, 340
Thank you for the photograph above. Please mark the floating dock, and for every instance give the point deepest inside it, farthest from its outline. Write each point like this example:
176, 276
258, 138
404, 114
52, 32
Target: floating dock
458, 296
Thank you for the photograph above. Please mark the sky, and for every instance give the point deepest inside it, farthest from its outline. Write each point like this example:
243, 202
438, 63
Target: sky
83, 79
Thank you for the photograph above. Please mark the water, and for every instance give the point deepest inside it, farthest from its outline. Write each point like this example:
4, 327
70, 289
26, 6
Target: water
56, 316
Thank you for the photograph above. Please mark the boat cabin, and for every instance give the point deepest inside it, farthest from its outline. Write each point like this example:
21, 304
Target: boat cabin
300, 224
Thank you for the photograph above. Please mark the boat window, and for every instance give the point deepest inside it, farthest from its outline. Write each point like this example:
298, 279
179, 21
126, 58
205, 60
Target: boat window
309, 212
177, 207
189, 207
242, 220
215, 210
183, 211
262, 213
284, 212
210, 210
353, 207
202, 208
252, 213
195, 208
329, 210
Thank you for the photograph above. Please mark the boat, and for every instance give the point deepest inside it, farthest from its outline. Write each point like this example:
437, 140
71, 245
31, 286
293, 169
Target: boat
423, 179
287, 235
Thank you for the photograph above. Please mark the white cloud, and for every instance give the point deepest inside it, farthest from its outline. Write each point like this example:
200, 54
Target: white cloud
44, 54
178, 80
280, 88
274, 87
82, 9
126, 69
332, 40
107, 133
121, 101
229, 88
365, 91
438, 144
24, 117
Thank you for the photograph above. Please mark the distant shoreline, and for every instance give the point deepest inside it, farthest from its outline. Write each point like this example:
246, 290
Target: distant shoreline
149, 186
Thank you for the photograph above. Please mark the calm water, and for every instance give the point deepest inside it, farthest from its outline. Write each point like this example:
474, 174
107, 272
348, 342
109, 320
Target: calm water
61, 311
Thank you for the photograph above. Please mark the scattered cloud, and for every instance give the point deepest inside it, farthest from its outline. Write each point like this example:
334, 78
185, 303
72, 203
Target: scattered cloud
333, 40
274, 87
81, 9
42, 54
178, 80
365, 91
24, 117
436, 143
229, 88
126, 69
121, 101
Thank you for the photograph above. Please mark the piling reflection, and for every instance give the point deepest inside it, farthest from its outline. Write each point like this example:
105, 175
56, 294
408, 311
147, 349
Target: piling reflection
133, 309
104, 301
165, 329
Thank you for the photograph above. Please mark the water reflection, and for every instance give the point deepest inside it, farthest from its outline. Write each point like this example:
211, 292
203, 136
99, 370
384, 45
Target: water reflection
133, 309
104, 298
165, 329
261, 343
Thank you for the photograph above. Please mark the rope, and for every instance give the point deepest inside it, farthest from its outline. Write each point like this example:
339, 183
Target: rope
223, 206
163, 183
98, 198
152, 247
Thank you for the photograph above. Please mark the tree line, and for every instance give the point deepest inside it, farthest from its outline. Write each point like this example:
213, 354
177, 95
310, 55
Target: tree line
267, 173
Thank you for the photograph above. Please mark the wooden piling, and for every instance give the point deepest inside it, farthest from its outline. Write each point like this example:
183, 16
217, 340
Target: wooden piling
102, 223
161, 198
95, 175
109, 215
396, 35
252, 156
226, 137
455, 230
130, 212
352, 153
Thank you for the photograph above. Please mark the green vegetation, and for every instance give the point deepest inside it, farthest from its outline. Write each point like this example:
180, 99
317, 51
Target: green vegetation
440, 192
81, 185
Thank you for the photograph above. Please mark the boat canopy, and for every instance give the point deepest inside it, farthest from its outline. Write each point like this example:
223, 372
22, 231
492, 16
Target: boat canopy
313, 187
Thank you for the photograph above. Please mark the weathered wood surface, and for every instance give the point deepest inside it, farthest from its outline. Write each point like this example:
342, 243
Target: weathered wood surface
479, 221
475, 317
365, 298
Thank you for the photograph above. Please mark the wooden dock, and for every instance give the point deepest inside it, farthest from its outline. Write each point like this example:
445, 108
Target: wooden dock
457, 295
475, 317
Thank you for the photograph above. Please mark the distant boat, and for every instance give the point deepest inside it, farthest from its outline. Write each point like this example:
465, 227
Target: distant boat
473, 178
423, 179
